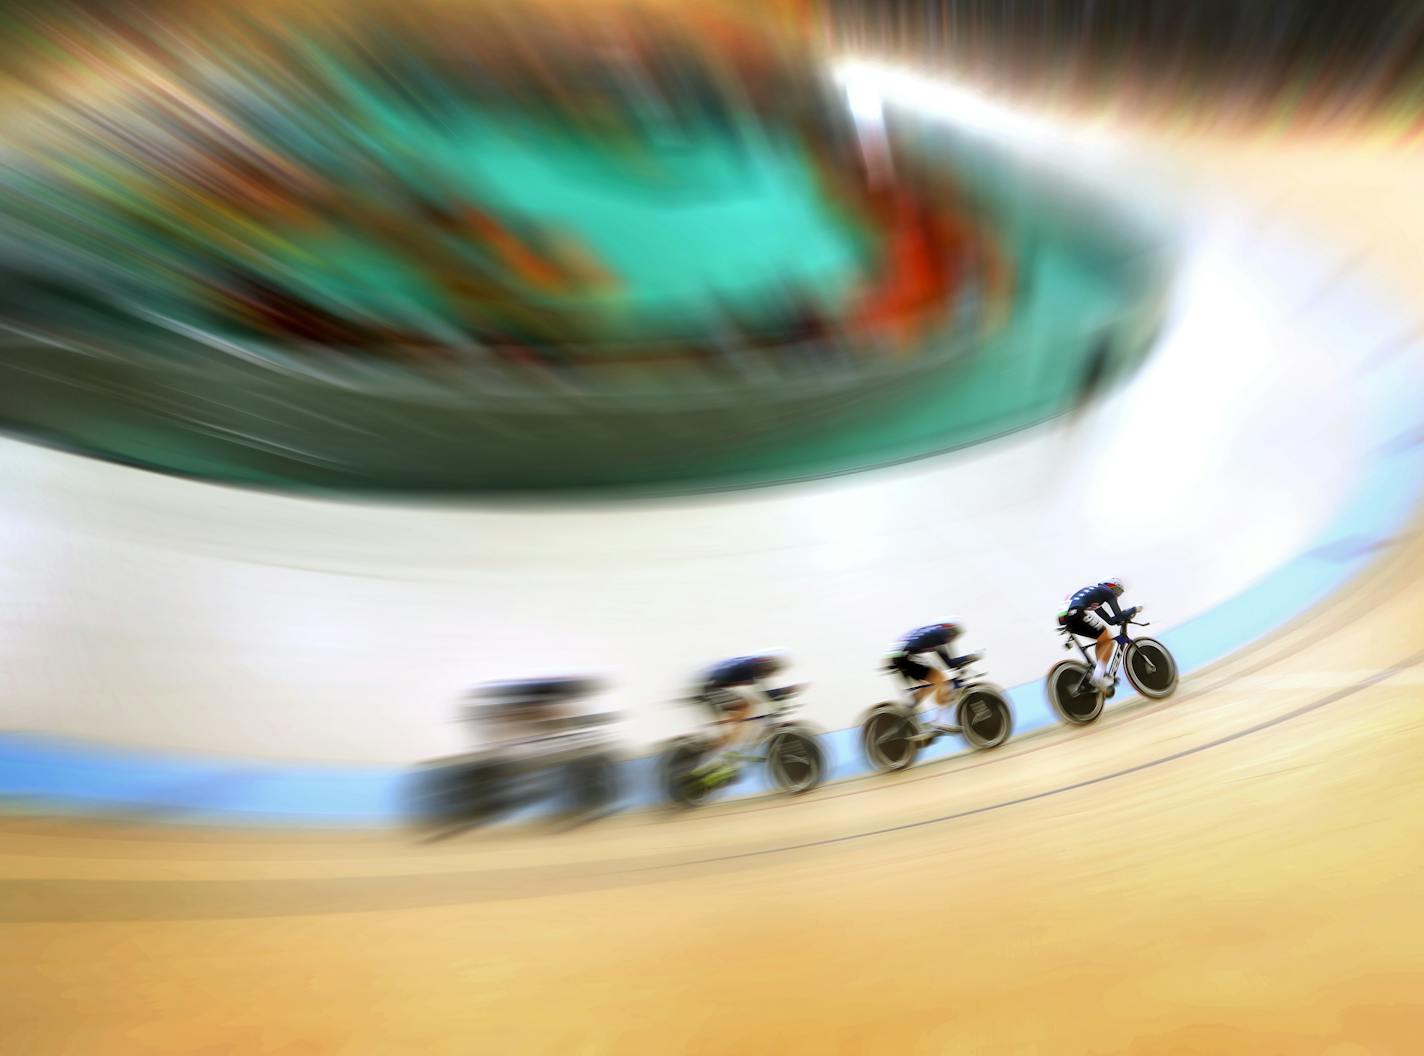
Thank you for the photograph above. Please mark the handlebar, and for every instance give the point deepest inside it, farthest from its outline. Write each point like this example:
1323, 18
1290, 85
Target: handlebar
1070, 637
780, 694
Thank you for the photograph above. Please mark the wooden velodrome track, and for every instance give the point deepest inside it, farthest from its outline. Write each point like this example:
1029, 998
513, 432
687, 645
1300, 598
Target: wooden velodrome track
1238, 869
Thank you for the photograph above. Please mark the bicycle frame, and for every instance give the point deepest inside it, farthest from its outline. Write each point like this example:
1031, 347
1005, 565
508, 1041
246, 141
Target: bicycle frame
960, 680
1120, 643
957, 686
770, 711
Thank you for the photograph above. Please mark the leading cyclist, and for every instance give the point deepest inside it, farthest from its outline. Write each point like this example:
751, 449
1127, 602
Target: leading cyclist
1091, 612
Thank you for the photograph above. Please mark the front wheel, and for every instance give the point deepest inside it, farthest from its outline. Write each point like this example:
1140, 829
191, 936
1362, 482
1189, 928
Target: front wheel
1150, 668
795, 762
1076, 700
890, 739
985, 717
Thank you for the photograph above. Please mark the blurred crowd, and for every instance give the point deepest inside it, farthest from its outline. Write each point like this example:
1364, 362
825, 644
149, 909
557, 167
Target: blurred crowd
248, 182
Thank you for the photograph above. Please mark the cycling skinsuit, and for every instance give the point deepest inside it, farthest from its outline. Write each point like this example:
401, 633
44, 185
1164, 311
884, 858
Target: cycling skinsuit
934, 638
1081, 615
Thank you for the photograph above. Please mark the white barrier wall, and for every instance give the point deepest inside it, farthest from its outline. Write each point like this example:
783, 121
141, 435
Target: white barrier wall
163, 613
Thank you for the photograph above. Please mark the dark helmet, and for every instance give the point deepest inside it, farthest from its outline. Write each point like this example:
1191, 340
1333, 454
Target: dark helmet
952, 630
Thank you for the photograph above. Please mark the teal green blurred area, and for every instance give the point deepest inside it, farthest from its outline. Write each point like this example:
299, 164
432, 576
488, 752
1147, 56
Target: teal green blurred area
347, 425
340, 260
702, 222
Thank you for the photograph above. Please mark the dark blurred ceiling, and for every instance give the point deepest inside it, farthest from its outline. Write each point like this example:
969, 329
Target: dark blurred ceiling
1327, 56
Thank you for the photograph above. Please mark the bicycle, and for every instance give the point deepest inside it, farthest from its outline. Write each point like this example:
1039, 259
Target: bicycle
1148, 664
892, 733
790, 749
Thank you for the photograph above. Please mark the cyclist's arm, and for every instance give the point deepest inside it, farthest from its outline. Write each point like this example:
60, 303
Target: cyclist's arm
943, 653
1110, 603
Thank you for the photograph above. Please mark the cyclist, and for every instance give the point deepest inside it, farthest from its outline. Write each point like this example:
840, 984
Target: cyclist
1083, 614
732, 689
923, 643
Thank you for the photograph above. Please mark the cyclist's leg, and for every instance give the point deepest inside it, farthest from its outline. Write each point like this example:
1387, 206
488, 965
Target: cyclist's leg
939, 678
733, 723
1106, 640
1088, 623
1104, 652
734, 708
933, 679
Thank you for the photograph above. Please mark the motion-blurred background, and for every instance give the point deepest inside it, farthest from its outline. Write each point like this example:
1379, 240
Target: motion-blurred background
404, 403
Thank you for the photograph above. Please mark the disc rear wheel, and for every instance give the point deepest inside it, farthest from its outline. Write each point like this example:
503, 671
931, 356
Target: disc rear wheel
1076, 700
889, 739
794, 761
679, 765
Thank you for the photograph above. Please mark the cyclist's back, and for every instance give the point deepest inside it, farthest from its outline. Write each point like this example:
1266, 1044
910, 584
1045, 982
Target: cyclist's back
1093, 596
739, 671
928, 638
